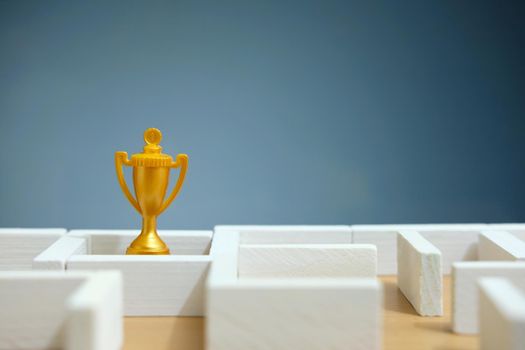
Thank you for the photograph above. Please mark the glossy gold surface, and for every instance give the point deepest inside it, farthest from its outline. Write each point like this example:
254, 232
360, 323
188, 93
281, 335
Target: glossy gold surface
151, 171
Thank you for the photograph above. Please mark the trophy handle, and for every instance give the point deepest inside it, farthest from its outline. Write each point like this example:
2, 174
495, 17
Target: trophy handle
182, 162
121, 158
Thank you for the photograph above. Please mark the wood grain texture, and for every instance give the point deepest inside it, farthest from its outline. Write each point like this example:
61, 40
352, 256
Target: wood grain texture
403, 328
251, 313
419, 273
307, 260
31, 322
290, 234
40, 310
501, 315
19, 246
295, 314
154, 285
500, 245
457, 242
465, 276
163, 333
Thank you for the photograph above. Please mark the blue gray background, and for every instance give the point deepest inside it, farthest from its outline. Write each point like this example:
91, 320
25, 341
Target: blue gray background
292, 112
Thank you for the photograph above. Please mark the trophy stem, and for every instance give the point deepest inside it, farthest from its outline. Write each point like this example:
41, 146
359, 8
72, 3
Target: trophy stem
148, 242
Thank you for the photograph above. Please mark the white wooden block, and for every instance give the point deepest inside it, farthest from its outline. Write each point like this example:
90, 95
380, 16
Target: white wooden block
256, 313
502, 315
51, 309
302, 314
384, 238
115, 242
96, 310
457, 242
18, 246
500, 245
517, 229
224, 252
307, 260
154, 285
55, 256
420, 275
33, 309
290, 234
465, 276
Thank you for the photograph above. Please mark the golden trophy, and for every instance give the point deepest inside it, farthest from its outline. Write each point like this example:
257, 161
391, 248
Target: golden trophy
151, 170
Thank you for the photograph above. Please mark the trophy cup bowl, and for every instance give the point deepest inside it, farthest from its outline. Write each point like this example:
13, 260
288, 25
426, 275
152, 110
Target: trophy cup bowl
151, 171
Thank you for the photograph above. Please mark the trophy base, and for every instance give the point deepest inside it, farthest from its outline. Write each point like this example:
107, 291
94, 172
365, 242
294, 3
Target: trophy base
148, 243
145, 251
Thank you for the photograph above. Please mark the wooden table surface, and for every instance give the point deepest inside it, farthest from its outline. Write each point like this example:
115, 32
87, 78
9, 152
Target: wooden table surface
403, 328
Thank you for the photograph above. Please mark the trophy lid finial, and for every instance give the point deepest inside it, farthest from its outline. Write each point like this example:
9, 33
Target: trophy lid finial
152, 156
152, 137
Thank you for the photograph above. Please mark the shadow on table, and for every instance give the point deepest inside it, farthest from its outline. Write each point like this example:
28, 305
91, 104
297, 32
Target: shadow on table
436, 325
394, 300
